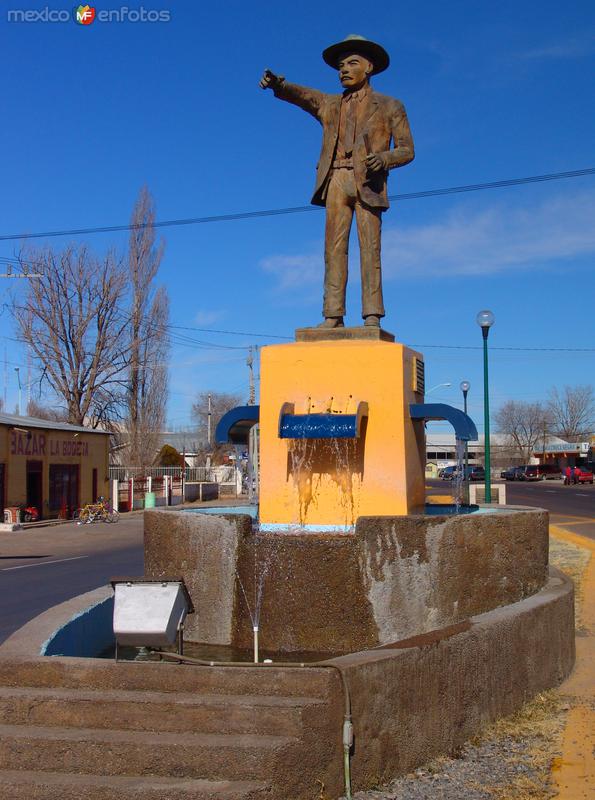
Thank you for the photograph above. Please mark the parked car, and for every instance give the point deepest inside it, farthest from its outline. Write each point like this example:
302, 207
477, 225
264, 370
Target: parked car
448, 473
585, 475
513, 473
540, 472
474, 473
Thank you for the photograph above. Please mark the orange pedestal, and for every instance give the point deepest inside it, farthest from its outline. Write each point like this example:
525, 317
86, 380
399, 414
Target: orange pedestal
326, 484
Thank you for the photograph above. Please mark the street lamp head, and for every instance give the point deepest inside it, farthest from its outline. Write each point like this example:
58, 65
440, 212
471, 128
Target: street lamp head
438, 386
465, 386
485, 319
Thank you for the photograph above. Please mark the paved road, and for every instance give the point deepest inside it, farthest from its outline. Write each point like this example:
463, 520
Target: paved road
42, 567
570, 506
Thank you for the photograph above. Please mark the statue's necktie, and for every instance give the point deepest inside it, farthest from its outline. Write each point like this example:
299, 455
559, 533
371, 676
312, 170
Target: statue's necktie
350, 120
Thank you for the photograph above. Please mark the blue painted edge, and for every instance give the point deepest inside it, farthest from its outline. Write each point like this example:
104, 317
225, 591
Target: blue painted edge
86, 634
234, 426
464, 426
279, 527
318, 426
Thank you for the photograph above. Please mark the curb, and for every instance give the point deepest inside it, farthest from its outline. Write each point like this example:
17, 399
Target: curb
574, 771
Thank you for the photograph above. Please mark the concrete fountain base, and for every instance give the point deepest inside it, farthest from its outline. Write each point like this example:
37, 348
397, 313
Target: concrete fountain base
76, 728
393, 578
477, 629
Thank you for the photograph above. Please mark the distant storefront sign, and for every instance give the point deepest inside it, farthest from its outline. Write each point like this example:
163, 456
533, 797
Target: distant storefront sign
564, 447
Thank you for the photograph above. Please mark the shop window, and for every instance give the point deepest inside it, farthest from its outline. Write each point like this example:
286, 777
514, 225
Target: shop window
64, 489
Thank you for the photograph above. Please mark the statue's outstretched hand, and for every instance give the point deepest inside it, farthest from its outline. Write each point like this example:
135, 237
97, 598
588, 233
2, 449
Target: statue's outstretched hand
375, 162
270, 81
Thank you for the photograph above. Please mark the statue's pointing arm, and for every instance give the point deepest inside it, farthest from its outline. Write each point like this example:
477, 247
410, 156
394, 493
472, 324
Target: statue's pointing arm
403, 151
310, 100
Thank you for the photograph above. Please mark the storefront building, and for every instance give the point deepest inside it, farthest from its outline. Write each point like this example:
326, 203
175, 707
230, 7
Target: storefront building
564, 454
51, 466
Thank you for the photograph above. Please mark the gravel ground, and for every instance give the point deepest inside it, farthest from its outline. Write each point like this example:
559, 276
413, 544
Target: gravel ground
491, 770
510, 760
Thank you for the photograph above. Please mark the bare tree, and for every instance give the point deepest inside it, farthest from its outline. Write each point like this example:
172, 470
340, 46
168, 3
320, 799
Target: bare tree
220, 403
71, 321
523, 424
40, 411
149, 343
572, 412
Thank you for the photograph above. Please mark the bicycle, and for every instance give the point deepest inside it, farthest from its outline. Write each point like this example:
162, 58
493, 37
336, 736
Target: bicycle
100, 511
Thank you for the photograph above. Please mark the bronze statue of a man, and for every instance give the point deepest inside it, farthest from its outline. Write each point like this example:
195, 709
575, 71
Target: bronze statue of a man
356, 155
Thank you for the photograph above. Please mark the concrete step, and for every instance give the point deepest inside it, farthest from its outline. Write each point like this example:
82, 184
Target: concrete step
35, 785
155, 711
105, 674
115, 752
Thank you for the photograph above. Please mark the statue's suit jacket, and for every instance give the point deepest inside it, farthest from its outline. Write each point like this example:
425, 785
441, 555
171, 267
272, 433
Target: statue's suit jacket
383, 119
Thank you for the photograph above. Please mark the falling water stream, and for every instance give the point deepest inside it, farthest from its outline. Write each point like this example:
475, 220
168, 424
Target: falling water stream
313, 460
310, 461
459, 478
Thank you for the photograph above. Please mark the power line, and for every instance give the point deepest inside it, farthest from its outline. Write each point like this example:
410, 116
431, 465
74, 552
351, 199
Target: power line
473, 187
521, 349
189, 341
233, 333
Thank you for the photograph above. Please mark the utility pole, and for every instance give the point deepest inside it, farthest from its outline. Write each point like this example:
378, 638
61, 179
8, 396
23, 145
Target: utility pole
28, 378
209, 414
209, 454
184, 468
250, 364
24, 274
17, 370
5, 381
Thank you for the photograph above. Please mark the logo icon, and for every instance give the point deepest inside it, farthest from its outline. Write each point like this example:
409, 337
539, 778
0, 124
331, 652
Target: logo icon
84, 15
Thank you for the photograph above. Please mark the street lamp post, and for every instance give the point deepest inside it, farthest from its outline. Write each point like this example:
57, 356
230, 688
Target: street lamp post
485, 320
465, 386
16, 369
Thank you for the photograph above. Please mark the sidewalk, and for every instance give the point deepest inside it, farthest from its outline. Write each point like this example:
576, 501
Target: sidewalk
574, 771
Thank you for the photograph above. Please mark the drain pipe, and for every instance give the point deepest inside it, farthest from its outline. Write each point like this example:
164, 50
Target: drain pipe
347, 730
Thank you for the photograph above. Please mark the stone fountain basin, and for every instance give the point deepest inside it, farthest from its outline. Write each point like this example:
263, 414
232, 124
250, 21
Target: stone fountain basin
392, 578
411, 701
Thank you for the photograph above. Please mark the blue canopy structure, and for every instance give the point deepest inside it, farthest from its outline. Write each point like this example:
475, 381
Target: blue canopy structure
234, 426
464, 426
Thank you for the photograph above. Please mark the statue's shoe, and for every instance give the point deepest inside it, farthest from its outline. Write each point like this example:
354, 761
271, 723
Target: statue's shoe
332, 322
372, 321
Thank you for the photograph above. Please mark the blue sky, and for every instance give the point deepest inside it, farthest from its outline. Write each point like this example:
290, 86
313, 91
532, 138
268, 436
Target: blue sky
492, 90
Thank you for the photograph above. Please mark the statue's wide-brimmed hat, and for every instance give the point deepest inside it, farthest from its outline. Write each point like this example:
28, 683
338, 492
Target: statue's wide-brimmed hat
362, 47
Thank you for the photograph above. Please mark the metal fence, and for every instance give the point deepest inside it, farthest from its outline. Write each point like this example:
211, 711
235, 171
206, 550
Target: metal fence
191, 474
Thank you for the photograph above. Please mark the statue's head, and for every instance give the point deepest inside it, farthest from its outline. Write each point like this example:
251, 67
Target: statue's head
354, 71
356, 59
